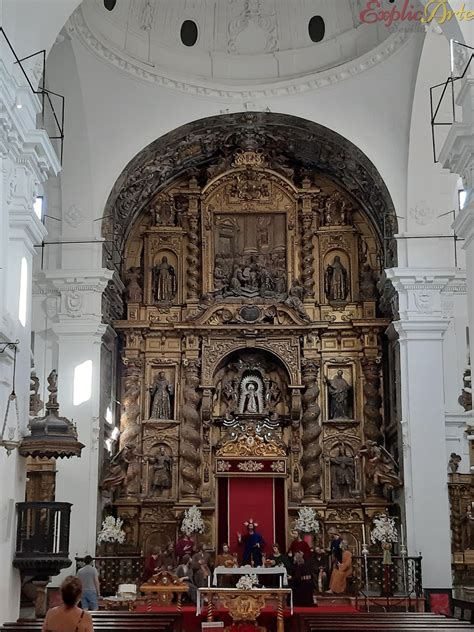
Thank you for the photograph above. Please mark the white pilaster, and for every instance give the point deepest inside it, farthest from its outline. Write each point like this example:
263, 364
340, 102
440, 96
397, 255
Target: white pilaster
76, 332
420, 331
457, 154
27, 159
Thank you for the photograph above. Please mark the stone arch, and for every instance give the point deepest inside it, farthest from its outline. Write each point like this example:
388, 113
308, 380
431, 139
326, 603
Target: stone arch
208, 144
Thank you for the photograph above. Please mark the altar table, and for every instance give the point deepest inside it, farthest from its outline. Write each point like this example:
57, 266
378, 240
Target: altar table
244, 605
250, 570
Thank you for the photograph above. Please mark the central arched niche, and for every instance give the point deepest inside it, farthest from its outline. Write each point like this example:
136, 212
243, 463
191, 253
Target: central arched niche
207, 146
251, 369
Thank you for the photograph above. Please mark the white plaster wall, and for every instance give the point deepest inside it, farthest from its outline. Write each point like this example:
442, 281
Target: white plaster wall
122, 115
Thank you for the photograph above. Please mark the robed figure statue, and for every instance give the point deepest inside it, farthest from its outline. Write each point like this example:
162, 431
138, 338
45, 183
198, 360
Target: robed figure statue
339, 401
161, 393
336, 285
253, 544
164, 282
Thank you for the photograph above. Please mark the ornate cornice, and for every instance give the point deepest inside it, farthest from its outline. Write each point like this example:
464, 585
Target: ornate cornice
79, 29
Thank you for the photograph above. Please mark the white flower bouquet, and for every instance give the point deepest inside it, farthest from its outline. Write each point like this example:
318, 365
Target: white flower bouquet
307, 521
111, 531
247, 582
384, 531
192, 521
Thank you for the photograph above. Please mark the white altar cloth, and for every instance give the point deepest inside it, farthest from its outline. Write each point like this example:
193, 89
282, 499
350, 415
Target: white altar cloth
251, 570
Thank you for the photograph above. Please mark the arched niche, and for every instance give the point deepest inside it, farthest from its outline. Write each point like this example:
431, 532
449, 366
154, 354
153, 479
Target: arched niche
239, 371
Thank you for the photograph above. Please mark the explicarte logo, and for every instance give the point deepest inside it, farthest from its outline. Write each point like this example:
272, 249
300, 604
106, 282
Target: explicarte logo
433, 10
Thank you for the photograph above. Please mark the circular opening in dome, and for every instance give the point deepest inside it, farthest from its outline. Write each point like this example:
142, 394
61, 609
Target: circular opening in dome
316, 28
110, 4
189, 33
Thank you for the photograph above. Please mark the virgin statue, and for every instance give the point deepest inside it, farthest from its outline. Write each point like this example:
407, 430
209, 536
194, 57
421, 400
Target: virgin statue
251, 402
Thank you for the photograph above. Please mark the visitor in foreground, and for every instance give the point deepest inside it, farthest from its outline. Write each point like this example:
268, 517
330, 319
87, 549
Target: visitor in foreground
68, 617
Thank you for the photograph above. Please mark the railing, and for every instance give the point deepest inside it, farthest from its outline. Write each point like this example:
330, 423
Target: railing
42, 530
468, 52
43, 93
116, 570
400, 580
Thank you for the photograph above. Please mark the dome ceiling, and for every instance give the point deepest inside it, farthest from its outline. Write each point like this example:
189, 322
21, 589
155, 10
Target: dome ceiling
234, 43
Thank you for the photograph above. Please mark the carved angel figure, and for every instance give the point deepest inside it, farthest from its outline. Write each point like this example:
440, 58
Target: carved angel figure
380, 468
134, 290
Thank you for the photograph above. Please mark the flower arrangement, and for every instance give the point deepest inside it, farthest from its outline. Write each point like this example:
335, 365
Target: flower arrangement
111, 531
192, 521
247, 582
384, 531
307, 521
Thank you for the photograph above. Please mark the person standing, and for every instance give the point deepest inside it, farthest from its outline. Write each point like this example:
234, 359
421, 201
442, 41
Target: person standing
299, 544
90, 585
301, 582
68, 617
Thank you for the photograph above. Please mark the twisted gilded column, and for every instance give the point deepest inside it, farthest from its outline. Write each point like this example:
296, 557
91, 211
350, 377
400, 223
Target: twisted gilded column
311, 457
193, 257
190, 449
129, 420
373, 419
307, 254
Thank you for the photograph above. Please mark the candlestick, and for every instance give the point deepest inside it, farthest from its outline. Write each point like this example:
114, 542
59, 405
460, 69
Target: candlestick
363, 535
402, 536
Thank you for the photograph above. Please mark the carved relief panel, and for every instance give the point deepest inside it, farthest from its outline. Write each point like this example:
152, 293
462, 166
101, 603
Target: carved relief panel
249, 232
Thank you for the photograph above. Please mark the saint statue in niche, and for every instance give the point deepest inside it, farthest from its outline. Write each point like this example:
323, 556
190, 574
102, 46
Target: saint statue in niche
336, 284
339, 390
161, 393
342, 474
164, 282
162, 466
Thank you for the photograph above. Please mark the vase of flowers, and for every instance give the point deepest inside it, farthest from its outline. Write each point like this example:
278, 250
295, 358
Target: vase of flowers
307, 524
247, 582
385, 534
192, 521
111, 533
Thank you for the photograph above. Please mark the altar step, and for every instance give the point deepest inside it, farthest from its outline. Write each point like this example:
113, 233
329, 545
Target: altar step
335, 600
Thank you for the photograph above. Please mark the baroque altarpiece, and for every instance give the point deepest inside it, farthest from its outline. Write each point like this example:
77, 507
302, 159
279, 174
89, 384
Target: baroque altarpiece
253, 358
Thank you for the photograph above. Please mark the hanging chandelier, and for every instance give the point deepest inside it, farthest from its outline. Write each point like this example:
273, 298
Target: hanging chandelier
10, 437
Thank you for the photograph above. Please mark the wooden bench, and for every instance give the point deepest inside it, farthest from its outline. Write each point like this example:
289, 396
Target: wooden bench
111, 622
381, 621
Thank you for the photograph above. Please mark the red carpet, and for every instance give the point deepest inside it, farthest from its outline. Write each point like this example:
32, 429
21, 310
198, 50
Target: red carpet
192, 623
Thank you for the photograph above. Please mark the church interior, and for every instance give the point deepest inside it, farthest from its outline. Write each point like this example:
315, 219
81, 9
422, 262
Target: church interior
236, 291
